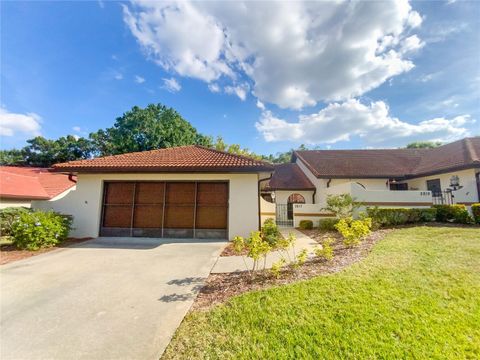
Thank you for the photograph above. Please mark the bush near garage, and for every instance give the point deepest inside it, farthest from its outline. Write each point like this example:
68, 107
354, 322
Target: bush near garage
400, 216
457, 213
7, 218
270, 232
305, 224
476, 212
40, 229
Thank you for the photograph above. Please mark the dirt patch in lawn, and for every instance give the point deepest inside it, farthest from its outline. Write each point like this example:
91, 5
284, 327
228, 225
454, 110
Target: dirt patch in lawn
9, 253
220, 287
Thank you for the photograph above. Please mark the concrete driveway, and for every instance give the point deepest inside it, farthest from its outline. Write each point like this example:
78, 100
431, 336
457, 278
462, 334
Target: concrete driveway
108, 298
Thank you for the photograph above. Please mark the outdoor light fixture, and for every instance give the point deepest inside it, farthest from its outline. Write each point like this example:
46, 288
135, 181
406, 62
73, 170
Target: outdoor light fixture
272, 194
455, 183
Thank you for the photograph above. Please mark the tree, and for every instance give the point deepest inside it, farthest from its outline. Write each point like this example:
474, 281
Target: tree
11, 157
424, 145
282, 157
153, 127
44, 152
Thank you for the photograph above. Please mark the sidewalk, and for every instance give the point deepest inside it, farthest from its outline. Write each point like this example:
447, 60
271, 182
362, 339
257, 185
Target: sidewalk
228, 264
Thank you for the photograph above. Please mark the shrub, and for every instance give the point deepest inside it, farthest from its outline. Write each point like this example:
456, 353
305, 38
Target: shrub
300, 259
328, 224
8, 216
343, 205
270, 232
476, 212
306, 224
354, 231
257, 249
399, 216
453, 213
39, 229
325, 252
277, 267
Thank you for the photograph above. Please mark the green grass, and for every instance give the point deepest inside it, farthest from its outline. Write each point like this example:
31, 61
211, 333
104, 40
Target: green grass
417, 295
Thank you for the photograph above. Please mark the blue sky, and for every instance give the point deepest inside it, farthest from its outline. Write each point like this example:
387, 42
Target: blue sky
269, 76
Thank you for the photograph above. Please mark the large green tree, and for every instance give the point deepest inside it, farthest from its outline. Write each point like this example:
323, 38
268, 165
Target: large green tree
423, 145
45, 152
153, 127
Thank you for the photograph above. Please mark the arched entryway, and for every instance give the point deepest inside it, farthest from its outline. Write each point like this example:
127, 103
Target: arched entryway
293, 199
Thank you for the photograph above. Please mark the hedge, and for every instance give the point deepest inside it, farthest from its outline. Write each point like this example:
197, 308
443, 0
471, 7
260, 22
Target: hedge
476, 212
38, 229
457, 213
400, 216
8, 217
305, 224
328, 224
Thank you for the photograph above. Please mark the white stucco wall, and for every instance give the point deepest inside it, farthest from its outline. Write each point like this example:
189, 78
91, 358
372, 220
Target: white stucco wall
468, 194
5, 203
85, 202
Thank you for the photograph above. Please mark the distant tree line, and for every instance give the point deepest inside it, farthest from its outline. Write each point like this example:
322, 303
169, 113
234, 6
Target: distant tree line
153, 127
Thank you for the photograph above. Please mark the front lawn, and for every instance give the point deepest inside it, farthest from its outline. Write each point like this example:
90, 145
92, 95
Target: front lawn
417, 295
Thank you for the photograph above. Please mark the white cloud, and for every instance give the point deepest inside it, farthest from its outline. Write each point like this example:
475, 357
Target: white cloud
239, 90
77, 128
373, 123
171, 85
295, 53
214, 88
118, 76
139, 79
13, 124
411, 43
260, 105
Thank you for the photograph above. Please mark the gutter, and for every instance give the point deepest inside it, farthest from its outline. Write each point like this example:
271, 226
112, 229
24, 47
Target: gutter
258, 197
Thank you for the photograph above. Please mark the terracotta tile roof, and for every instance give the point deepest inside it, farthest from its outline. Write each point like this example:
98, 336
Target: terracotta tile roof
391, 163
32, 183
192, 158
289, 177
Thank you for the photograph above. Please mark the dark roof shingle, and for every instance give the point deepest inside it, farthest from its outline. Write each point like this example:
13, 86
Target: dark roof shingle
289, 177
192, 158
392, 163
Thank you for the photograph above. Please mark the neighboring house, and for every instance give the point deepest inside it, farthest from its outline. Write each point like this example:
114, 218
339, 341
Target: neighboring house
23, 186
388, 178
186, 192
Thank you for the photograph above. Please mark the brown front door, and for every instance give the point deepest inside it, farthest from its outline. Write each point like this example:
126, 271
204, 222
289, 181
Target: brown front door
165, 209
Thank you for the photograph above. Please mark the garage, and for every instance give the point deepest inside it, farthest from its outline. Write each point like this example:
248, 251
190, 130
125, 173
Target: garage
179, 209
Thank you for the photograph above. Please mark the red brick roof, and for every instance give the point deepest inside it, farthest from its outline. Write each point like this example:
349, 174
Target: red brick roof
391, 163
32, 183
192, 158
289, 177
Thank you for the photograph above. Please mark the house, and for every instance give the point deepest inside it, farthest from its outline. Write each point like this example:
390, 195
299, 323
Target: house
186, 192
387, 178
198, 192
23, 186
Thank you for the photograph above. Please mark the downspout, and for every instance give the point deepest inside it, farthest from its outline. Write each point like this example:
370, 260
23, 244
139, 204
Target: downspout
313, 195
70, 177
258, 195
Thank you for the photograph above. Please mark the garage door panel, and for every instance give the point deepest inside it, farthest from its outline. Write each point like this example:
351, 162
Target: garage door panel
149, 192
119, 193
148, 216
212, 193
180, 193
179, 217
117, 216
211, 217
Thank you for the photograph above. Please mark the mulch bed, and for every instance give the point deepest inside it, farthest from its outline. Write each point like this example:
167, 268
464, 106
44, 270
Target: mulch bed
9, 253
221, 287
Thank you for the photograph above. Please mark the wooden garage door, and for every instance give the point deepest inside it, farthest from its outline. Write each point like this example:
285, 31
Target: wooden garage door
168, 209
